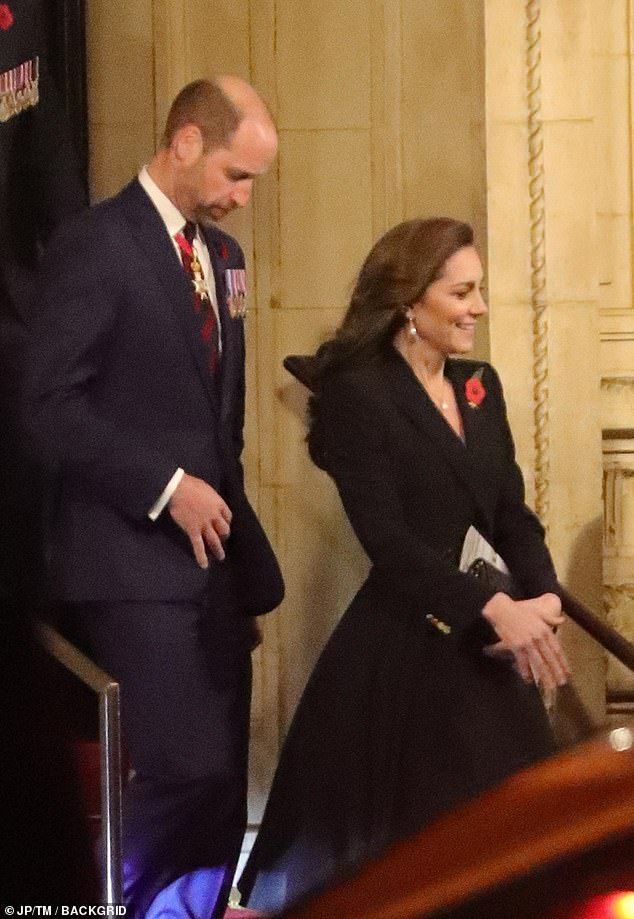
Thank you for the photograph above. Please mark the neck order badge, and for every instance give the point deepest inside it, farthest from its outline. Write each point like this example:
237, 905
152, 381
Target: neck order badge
201, 300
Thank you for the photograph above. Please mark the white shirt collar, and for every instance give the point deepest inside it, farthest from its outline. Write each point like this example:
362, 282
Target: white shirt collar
169, 213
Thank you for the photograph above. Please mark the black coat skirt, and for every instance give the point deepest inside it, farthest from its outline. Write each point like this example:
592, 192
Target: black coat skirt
404, 716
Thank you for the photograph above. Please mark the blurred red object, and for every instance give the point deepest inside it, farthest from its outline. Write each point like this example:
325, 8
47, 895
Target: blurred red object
618, 905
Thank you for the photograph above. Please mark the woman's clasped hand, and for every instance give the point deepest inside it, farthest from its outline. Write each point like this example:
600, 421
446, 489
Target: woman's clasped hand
526, 630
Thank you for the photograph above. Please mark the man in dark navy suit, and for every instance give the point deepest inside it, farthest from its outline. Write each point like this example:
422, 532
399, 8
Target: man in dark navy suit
136, 389
39, 185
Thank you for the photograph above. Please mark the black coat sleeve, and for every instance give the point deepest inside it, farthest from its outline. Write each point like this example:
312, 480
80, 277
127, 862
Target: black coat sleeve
518, 534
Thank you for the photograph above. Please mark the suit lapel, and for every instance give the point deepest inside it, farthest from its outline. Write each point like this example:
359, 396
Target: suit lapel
410, 397
228, 330
149, 232
458, 372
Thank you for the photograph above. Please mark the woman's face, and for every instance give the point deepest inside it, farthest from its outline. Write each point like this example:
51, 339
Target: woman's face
446, 316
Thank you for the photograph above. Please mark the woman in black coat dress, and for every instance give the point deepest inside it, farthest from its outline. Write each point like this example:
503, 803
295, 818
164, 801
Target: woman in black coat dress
425, 694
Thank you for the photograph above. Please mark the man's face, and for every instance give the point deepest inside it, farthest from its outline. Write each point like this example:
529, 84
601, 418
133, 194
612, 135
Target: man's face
219, 181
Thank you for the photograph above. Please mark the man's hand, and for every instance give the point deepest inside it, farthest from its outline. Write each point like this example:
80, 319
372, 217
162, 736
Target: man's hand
201, 513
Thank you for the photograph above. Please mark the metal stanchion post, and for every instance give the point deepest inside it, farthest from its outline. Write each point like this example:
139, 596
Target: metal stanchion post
110, 737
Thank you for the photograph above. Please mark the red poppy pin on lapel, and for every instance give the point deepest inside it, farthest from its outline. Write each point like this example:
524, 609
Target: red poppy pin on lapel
474, 389
6, 17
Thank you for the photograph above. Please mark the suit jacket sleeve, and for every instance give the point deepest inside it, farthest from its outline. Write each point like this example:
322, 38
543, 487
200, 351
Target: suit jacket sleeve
345, 440
518, 534
74, 317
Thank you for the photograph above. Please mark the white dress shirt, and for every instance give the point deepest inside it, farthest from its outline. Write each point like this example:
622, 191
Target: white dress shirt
174, 223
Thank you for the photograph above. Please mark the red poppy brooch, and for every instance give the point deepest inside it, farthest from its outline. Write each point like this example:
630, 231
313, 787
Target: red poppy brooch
474, 389
6, 17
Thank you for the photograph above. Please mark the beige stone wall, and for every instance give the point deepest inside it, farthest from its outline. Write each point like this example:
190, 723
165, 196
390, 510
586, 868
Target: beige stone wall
323, 89
389, 109
558, 231
442, 121
120, 53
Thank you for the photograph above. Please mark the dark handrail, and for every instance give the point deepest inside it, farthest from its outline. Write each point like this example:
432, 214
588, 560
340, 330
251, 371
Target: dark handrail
110, 742
604, 634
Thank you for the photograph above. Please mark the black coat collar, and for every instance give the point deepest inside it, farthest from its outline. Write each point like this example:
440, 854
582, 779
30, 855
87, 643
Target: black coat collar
467, 459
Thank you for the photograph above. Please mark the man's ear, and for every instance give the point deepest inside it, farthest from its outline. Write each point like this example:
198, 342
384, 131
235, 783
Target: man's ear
187, 144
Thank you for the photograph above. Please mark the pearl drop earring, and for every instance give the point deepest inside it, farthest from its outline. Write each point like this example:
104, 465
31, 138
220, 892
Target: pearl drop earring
412, 331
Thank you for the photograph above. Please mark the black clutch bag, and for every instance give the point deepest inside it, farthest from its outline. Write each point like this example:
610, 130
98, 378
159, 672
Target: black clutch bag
497, 582
494, 579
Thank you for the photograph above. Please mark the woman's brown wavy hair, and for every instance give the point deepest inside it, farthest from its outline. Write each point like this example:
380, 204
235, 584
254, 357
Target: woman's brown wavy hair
397, 272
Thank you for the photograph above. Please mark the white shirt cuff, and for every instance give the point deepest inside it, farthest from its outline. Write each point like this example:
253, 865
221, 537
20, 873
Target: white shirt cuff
166, 494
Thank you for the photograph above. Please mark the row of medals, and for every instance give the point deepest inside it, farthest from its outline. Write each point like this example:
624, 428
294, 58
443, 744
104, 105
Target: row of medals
235, 281
19, 89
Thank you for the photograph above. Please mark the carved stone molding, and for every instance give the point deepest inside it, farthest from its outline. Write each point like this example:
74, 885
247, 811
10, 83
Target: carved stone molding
538, 258
618, 550
616, 597
617, 383
619, 607
618, 519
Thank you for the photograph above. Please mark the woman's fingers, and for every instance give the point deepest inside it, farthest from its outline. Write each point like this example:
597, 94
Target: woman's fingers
526, 628
556, 657
541, 668
523, 665
549, 664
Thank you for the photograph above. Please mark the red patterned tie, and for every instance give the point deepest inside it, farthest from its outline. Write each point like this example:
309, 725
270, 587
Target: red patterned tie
203, 307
